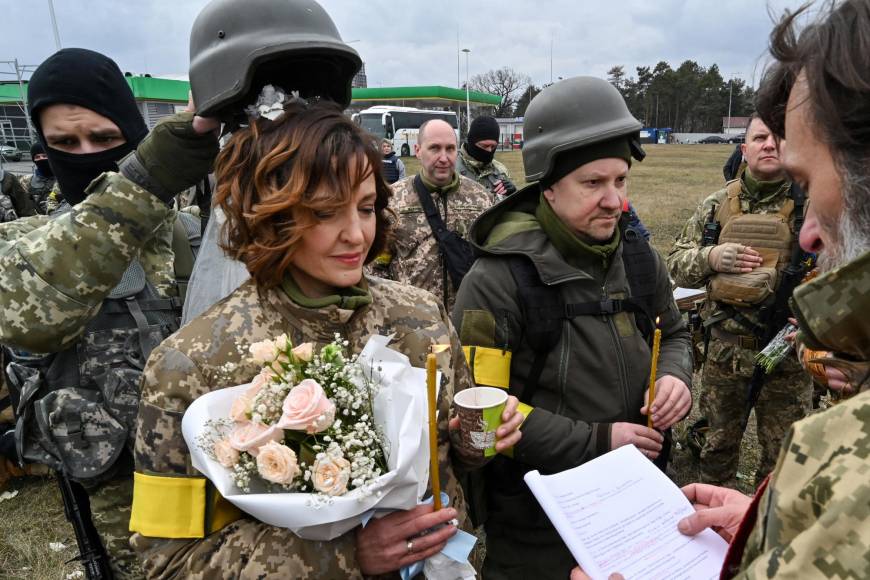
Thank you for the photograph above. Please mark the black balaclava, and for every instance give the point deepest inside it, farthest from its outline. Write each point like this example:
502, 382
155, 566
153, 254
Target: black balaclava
76, 76
482, 129
43, 168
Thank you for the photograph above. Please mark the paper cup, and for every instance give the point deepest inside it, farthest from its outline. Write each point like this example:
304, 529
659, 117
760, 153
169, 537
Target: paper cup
479, 410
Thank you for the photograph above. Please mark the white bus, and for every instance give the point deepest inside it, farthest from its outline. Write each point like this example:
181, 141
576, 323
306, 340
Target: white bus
400, 124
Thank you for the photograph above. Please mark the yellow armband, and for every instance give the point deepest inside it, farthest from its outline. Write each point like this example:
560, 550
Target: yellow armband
178, 507
489, 366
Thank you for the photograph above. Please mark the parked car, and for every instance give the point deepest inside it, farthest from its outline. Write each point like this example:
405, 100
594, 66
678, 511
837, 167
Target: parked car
10, 153
734, 139
712, 139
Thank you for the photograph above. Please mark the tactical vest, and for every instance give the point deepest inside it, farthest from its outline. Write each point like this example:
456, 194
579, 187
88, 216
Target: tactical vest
76, 409
391, 168
769, 234
544, 311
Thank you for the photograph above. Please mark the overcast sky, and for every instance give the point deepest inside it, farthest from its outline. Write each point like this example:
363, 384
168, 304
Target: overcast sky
415, 43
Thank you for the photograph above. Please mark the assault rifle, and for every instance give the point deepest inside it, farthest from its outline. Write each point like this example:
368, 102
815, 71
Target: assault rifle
91, 553
773, 316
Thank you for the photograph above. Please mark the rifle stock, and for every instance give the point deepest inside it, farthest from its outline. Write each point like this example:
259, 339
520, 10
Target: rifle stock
91, 553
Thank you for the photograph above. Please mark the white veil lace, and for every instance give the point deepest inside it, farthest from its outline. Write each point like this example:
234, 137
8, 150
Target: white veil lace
215, 275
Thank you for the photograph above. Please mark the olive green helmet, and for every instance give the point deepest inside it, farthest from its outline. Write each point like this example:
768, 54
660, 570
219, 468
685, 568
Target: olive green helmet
573, 113
237, 47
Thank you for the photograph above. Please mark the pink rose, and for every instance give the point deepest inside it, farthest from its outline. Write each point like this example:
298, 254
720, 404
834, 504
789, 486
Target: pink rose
225, 454
263, 379
249, 436
241, 407
307, 408
277, 463
331, 474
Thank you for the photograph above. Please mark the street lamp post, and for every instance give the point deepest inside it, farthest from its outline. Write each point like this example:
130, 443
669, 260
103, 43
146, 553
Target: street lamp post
54, 24
467, 51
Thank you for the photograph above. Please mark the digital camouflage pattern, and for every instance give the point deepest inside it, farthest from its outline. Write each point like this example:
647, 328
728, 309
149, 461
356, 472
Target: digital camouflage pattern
812, 519
839, 325
39, 189
416, 259
211, 352
7, 209
110, 510
15, 202
787, 392
55, 273
469, 167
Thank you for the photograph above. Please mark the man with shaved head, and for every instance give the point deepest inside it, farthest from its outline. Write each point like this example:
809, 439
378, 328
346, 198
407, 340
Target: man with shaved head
430, 248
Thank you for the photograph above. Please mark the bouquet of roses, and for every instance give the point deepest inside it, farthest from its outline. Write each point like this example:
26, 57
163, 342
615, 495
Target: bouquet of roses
319, 439
306, 423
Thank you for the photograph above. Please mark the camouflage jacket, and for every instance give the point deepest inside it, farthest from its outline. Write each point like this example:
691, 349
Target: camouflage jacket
55, 273
40, 188
471, 168
210, 353
415, 257
812, 519
14, 193
688, 259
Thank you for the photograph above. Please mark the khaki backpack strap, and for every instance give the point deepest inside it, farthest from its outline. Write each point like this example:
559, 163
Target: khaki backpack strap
787, 209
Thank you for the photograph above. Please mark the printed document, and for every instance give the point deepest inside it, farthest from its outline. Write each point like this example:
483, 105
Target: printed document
619, 513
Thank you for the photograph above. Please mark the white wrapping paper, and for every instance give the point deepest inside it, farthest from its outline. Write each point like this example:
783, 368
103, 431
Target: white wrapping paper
400, 409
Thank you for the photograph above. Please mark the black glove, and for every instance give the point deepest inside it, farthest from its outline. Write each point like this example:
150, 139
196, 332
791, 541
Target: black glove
171, 158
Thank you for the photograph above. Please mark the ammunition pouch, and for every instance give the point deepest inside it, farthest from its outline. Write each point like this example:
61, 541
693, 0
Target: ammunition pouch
742, 340
76, 409
742, 290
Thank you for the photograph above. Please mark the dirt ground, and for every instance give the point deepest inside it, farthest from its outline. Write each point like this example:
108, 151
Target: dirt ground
37, 542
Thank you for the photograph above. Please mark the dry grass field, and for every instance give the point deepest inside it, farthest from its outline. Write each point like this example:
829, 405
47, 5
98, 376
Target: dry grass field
665, 189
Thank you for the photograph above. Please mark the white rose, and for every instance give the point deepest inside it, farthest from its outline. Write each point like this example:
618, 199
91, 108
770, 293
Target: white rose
263, 352
225, 454
304, 351
277, 463
331, 474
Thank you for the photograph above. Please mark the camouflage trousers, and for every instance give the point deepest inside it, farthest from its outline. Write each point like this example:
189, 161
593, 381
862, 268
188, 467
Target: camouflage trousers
785, 397
110, 512
248, 549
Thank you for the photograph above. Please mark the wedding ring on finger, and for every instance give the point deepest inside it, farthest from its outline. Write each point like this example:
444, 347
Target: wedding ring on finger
409, 546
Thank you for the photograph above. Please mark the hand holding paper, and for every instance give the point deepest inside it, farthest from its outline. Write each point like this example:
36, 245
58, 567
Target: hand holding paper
718, 508
619, 513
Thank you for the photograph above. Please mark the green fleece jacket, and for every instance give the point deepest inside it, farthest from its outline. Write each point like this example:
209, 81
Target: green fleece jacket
595, 376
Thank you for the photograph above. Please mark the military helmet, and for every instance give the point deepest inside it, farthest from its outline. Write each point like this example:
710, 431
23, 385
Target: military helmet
237, 47
573, 113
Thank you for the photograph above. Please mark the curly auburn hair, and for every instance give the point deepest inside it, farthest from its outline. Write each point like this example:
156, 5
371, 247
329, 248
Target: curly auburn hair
275, 177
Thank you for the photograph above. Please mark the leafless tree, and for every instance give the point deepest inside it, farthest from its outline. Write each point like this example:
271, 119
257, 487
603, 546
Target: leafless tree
504, 82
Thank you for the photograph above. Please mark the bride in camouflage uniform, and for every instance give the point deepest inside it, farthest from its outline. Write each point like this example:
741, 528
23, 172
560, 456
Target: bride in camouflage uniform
306, 208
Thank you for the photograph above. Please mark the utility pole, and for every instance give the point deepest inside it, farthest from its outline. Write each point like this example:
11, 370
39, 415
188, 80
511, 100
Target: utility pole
467, 52
551, 59
54, 25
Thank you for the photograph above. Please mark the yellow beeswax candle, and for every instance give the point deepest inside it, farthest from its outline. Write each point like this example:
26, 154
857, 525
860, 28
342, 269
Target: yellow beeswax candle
433, 430
657, 340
